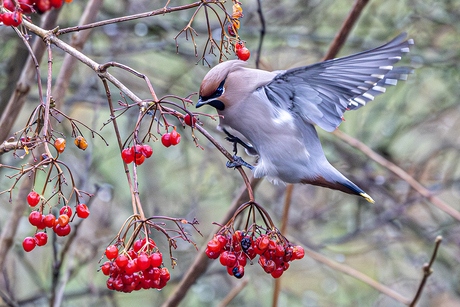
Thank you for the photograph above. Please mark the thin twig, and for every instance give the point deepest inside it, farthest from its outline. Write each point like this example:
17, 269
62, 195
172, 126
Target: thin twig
232, 294
427, 271
341, 36
399, 172
358, 275
262, 32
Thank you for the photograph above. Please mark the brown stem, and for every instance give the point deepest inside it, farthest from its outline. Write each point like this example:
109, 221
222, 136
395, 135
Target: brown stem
232, 294
427, 271
400, 173
201, 262
346, 28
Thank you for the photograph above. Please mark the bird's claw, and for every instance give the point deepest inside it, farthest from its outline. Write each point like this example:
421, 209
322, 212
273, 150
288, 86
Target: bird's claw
238, 161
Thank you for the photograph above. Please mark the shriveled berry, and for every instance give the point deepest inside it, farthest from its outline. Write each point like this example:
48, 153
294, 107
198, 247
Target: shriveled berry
270, 266
140, 160
238, 271
246, 243
59, 143
63, 220
277, 272
212, 254
298, 252
81, 142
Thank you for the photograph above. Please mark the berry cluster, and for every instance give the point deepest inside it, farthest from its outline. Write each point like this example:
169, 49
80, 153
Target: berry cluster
141, 267
136, 154
60, 225
171, 138
241, 51
234, 250
14, 16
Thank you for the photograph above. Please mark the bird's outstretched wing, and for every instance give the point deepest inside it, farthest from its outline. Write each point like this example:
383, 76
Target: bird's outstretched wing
322, 92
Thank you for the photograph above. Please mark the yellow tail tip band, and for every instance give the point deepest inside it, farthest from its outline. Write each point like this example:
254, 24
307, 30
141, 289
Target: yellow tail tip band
367, 197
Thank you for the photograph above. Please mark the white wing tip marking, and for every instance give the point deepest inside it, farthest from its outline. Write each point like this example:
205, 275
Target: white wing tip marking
353, 103
386, 67
368, 96
379, 89
378, 76
395, 58
410, 41
359, 100
363, 88
391, 81
406, 49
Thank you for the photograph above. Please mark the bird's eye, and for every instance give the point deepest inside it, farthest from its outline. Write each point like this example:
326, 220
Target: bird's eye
217, 93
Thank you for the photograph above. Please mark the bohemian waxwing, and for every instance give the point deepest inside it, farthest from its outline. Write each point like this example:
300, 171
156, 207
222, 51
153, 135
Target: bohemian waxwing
276, 111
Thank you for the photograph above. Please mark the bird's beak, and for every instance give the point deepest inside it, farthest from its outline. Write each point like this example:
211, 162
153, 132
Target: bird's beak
200, 103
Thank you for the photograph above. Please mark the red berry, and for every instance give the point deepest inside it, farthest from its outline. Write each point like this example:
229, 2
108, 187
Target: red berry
214, 245
28, 244
299, 252
56, 3
136, 151
164, 274
82, 211
106, 268
138, 245
111, 252
41, 238
127, 155
270, 266
288, 253
35, 218
238, 46
277, 272
223, 258
33, 198
26, 6
143, 261
62, 220
122, 261
211, 254
8, 4
131, 267
43, 6
156, 259
279, 250
263, 243
66, 210
147, 151
188, 120
165, 140
174, 137
61, 231
231, 259
127, 278
243, 54
110, 283
49, 220
12, 19
242, 259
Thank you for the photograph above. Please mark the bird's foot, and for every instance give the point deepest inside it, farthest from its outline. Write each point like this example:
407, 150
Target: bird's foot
238, 161
236, 140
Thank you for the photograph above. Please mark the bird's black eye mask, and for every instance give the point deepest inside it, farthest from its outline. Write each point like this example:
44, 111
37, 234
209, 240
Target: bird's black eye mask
219, 105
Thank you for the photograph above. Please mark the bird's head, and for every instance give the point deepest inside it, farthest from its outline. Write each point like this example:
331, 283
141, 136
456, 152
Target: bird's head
213, 89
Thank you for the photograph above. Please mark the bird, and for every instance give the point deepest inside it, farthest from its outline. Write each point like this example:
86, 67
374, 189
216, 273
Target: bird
274, 113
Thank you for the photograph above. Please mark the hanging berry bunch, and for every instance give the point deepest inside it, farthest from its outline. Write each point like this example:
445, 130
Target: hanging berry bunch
236, 248
59, 224
138, 264
234, 24
13, 17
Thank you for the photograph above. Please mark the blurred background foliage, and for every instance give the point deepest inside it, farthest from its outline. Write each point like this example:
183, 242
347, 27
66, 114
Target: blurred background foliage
415, 125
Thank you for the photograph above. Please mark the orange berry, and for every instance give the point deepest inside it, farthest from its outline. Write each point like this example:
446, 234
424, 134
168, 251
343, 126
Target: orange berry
59, 143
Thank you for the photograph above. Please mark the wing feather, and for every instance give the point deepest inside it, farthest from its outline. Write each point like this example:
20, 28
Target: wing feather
322, 92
